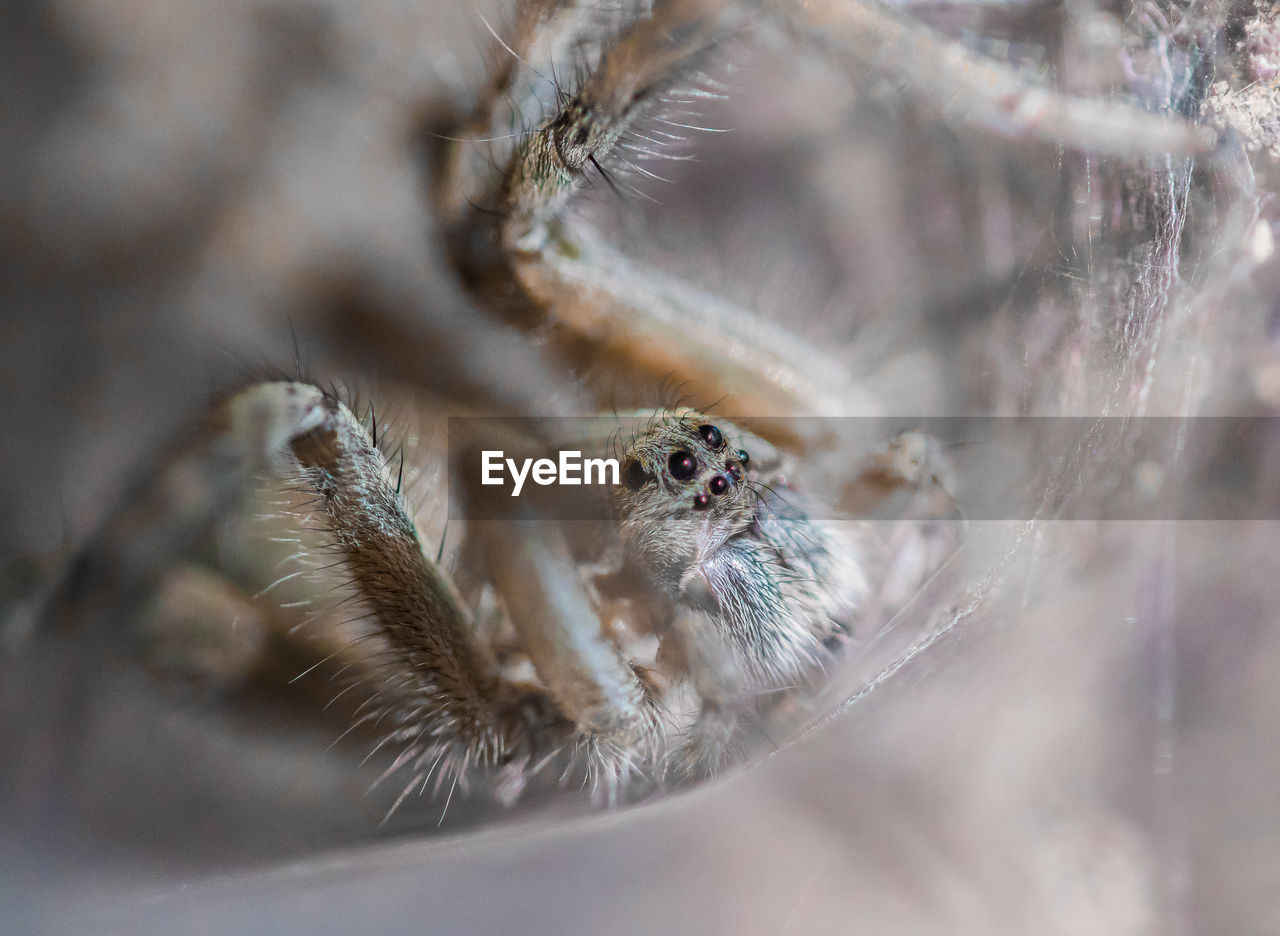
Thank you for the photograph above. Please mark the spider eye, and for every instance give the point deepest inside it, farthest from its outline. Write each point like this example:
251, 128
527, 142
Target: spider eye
744, 457
712, 436
635, 477
701, 502
719, 484
683, 465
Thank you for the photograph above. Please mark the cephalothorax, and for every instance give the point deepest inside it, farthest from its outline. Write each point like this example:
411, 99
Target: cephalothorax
757, 586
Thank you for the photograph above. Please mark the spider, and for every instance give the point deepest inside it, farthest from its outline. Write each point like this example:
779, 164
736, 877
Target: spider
745, 591
509, 669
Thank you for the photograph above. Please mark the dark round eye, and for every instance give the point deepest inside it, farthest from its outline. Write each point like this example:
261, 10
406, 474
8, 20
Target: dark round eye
701, 502
744, 457
683, 465
719, 484
712, 436
635, 477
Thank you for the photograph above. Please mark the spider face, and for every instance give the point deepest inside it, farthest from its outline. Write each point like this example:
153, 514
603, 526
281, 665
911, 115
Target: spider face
687, 488
682, 456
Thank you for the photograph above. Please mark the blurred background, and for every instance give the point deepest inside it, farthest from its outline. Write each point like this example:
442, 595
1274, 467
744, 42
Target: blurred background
1072, 731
